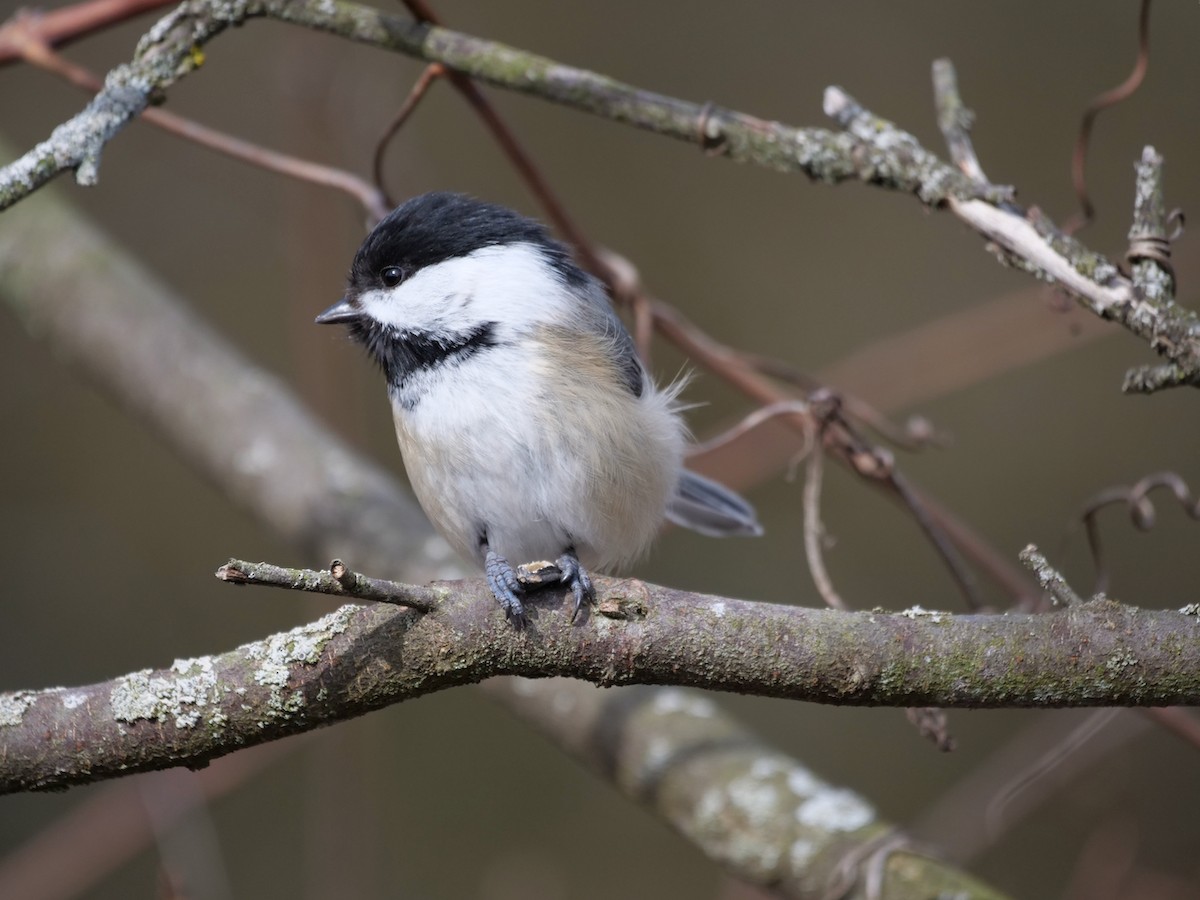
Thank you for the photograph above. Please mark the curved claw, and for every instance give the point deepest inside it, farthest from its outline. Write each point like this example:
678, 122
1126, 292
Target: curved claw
502, 579
576, 576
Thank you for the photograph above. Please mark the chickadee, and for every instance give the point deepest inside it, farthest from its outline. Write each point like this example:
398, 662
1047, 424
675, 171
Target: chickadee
529, 427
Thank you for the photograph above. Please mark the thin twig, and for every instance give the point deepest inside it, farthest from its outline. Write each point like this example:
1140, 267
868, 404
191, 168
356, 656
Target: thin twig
61, 26
955, 120
429, 75
1049, 578
878, 464
520, 159
814, 530
915, 433
339, 581
1141, 512
757, 418
36, 52
1100, 103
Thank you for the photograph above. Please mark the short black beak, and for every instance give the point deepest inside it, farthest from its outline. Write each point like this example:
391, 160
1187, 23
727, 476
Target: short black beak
341, 313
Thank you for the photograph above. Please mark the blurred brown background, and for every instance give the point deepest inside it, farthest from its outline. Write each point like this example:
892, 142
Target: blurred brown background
448, 797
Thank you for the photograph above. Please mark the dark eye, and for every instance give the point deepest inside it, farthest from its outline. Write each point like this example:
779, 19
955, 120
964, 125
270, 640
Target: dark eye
391, 276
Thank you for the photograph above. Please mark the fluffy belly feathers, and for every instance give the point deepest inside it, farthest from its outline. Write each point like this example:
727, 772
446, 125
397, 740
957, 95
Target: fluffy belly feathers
588, 465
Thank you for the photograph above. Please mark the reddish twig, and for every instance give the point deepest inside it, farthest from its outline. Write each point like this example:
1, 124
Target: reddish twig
1141, 512
915, 433
1100, 103
429, 75
60, 26
814, 530
34, 50
517, 155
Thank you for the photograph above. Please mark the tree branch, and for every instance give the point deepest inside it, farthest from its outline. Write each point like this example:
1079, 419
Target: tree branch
871, 149
362, 658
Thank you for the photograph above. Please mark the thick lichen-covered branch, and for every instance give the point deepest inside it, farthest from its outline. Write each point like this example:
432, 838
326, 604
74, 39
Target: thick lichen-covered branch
361, 658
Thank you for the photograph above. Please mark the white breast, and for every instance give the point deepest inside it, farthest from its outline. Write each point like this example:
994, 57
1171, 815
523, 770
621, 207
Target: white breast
544, 456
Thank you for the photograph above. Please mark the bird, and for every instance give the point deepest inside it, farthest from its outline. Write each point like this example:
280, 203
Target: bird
528, 425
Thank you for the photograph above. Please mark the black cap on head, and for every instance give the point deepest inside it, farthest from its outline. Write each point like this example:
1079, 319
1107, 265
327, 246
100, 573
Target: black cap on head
442, 225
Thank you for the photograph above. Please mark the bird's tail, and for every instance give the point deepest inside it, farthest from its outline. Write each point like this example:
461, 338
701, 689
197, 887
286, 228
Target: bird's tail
711, 509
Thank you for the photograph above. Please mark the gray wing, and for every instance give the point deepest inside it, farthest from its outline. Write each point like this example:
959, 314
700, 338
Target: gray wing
699, 503
599, 317
711, 509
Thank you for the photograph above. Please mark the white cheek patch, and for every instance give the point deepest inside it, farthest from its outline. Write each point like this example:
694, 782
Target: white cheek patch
379, 306
510, 283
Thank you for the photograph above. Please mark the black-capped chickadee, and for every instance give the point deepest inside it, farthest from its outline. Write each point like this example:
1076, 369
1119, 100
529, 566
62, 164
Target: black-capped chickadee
529, 427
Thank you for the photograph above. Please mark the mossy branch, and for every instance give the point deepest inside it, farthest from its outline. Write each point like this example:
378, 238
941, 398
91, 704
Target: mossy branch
1094, 653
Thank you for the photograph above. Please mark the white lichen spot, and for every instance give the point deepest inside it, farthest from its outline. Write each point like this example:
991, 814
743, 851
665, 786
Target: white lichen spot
272, 674
733, 825
74, 700
917, 612
801, 854
803, 783
14, 706
1120, 661
767, 766
183, 696
658, 751
277, 655
718, 608
835, 809
709, 806
675, 700
1192, 609
756, 800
